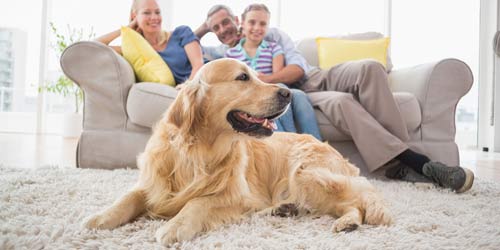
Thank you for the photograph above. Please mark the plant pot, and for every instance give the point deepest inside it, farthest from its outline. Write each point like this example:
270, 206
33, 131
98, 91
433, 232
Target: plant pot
72, 125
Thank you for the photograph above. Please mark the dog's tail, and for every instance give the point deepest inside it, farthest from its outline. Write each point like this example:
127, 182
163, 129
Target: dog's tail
376, 212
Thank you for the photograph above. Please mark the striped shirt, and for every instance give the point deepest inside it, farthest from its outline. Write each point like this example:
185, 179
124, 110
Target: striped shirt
263, 59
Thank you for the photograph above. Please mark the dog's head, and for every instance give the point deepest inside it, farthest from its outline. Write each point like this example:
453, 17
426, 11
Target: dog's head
226, 95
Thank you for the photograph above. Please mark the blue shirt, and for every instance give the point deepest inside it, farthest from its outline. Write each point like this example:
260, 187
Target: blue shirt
175, 56
263, 59
292, 55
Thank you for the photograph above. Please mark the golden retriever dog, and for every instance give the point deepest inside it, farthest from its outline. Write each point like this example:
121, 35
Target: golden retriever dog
213, 158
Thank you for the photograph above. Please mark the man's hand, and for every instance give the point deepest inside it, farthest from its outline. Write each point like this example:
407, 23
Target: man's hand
265, 78
290, 74
202, 30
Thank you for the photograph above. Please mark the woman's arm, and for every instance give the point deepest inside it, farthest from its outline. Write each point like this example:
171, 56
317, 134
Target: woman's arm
195, 56
278, 63
108, 38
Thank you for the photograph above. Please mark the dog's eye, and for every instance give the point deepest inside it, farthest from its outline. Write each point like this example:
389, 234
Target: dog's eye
243, 77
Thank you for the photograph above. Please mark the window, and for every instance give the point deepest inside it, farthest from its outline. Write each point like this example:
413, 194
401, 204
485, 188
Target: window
421, 31
426, 31
19, 40
94, 18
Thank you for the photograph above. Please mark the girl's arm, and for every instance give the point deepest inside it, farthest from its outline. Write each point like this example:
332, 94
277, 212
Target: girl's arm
281, 73
195, 56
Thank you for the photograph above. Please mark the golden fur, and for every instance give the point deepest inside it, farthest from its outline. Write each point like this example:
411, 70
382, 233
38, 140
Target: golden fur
199, 172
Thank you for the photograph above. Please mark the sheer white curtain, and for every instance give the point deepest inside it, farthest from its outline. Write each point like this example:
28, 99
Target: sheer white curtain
297, 18
325, 18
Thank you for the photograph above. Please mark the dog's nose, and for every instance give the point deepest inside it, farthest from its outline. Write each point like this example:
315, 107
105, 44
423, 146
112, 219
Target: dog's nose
284, 95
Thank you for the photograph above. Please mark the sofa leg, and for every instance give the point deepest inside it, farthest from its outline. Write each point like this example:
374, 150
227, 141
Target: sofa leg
77, 159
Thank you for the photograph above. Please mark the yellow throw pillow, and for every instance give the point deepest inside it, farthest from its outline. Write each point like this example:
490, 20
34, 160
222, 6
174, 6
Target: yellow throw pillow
146, 62
333, 51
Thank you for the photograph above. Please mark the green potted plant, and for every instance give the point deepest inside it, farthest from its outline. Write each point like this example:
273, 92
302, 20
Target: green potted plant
63, 85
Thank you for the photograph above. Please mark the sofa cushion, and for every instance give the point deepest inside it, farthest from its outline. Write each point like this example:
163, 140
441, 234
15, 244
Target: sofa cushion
407, 103
146, 62
308, 48
410, 110
147, 102
333, 51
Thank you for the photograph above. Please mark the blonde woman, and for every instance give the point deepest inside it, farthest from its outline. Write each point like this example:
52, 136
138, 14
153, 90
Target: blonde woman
180, 48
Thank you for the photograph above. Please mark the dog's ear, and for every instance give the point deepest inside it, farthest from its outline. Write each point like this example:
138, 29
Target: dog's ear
185, 112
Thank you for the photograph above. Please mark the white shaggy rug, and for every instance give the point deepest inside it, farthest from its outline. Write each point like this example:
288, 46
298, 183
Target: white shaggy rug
43, 209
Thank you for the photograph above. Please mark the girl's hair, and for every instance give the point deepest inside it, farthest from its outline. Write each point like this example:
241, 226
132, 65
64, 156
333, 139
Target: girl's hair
135, 3
255, 6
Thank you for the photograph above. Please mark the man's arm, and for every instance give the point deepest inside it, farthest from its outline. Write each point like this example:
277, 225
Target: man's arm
296, 65
202, 30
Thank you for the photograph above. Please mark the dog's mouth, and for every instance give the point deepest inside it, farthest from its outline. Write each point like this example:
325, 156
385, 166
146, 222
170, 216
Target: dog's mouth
254, 125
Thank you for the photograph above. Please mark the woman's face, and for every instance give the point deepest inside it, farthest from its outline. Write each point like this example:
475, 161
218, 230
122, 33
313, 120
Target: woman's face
148, 15
255, 25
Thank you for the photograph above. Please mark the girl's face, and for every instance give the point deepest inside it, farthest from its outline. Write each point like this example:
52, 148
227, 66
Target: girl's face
255, 25
148, 15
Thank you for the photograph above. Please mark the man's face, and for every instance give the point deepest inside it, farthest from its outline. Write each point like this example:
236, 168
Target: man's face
225, 27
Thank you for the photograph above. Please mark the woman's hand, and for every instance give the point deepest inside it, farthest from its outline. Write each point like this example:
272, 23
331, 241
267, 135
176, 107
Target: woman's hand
134, 25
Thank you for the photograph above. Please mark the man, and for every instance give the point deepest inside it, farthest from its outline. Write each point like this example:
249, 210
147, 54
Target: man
356, 96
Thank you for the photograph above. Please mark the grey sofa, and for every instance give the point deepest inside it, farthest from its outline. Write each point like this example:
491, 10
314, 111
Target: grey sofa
119, 113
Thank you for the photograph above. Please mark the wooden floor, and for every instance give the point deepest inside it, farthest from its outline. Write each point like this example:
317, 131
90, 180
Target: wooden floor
29, 151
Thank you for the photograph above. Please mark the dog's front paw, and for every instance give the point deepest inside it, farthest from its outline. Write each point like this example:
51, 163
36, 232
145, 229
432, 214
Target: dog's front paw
173, 232
286, 210
99, 221
344, 224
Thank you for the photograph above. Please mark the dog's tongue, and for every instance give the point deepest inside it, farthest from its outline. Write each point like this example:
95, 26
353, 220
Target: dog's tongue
269, 124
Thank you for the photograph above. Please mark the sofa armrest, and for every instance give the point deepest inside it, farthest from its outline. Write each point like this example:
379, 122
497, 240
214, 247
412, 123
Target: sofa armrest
105, 78
438, 87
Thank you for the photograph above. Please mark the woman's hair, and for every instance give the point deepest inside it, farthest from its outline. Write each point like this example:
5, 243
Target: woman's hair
135, 3
133, 9
255, 6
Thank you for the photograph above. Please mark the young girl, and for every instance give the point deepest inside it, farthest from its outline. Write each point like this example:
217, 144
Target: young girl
266, 58
180, 49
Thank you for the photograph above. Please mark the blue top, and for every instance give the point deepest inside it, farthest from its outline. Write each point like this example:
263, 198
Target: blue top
292, 55
175, 56
263, 59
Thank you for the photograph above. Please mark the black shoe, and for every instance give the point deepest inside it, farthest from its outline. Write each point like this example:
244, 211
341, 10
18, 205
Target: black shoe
402, 172
457, 178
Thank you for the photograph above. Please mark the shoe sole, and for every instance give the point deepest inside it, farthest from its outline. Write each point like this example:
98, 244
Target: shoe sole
469, 180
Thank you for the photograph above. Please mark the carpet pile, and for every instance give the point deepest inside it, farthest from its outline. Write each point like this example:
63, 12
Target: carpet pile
43, 209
